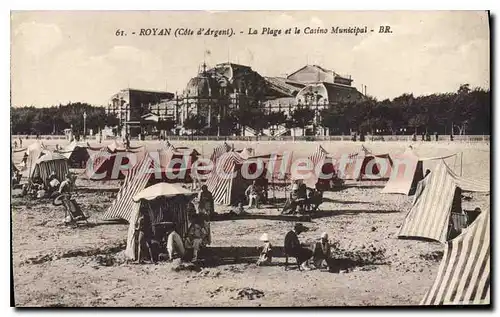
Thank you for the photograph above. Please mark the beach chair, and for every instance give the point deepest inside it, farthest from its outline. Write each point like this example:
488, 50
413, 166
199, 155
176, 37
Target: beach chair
72, 209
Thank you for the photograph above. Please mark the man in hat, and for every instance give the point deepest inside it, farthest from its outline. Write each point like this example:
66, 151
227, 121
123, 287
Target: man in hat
321, 251
295, 249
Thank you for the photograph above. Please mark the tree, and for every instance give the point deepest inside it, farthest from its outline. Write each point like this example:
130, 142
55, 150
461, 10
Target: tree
195, 123
165, 125
274, 119
302, 116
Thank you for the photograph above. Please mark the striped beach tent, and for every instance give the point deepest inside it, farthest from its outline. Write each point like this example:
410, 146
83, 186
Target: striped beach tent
365, 165
323, 170
319, 155
464, 273
218, 151
430, 215
164, 202
147, 172
105, 164
50, 162
226, 182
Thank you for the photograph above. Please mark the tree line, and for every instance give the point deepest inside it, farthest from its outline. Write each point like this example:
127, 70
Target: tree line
466, 111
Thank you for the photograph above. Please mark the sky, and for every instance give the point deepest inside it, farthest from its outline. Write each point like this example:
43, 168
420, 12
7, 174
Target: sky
63, 56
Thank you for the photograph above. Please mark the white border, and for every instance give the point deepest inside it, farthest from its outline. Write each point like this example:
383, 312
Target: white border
213, 5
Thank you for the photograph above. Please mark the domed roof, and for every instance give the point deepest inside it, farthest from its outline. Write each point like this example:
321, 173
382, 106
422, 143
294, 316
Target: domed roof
202, 86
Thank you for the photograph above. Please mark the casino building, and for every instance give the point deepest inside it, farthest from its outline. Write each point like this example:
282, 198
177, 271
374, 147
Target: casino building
219, 90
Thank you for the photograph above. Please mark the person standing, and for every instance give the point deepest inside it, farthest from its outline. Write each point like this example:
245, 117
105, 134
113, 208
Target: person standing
206, 201
143, 237
436, 136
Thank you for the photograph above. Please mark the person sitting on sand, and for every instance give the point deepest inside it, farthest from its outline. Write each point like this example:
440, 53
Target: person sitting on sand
322, 251
266, 255
238, 211
295, 249
196, 236
291, 202
174, 243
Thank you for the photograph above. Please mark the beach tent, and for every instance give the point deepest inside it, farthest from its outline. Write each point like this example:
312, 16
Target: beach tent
323, 169
164, 202
153, 168
245, 152
104, 164
463, 277
275, 167
218, 151
365, 165
32, 154
430, 215
407, 171
76, 153
227, 181
50, 162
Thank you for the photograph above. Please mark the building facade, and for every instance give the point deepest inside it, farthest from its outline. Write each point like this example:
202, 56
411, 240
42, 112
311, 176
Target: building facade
217, 91
130, 105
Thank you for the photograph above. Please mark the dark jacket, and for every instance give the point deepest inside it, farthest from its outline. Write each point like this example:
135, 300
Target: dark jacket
292, 243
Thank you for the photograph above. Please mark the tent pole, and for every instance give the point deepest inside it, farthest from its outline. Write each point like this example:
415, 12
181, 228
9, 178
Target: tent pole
461, 162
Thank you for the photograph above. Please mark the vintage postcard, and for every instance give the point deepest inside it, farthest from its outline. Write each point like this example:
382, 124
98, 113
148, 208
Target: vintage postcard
250, 158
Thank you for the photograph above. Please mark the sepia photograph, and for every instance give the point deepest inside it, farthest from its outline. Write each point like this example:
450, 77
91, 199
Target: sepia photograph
250, 158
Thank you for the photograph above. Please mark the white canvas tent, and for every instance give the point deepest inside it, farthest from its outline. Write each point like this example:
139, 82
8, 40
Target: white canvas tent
429, 216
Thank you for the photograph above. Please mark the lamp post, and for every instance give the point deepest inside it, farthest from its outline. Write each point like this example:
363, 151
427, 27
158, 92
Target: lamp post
218, 124
84, 124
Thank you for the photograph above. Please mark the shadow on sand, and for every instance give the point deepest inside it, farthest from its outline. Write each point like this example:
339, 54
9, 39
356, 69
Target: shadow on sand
303, 217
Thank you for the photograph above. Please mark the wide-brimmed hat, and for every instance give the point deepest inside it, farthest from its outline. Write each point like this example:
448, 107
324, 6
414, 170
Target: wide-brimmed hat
264, 237
300, 227
324, 235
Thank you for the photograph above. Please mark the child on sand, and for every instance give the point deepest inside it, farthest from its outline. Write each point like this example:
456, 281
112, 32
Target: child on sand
266, 255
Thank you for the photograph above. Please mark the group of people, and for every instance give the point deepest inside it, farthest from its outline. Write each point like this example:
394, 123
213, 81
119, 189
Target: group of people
303, 198
152, 237
427, 137
308, 256
20, 143
53, 187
